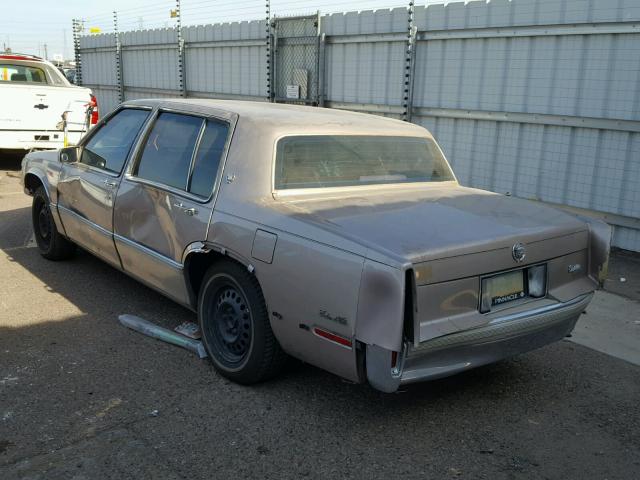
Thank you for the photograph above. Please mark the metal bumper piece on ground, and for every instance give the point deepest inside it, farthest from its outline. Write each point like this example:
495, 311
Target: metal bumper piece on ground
502, 338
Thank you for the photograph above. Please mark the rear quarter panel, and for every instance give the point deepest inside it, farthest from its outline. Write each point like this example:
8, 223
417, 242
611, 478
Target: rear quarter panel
306, 285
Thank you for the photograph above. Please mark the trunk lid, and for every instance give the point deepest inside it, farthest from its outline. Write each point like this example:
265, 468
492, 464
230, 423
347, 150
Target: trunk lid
421, 224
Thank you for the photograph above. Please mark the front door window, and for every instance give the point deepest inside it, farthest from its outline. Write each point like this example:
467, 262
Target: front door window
109, 147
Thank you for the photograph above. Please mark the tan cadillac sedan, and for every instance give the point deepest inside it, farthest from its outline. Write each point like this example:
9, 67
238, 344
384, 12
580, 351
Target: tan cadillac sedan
338, 238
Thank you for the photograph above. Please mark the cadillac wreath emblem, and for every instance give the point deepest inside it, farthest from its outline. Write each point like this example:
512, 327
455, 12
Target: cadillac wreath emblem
518, 252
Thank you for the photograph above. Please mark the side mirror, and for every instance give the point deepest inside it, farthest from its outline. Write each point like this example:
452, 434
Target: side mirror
69, 155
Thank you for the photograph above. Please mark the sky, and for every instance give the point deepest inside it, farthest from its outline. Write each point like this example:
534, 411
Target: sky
32, 24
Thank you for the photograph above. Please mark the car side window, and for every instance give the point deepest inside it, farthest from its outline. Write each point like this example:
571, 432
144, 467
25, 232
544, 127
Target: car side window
207, 159
168, 150
109, 147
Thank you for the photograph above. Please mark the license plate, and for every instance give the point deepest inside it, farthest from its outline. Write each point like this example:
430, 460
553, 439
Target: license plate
503, 288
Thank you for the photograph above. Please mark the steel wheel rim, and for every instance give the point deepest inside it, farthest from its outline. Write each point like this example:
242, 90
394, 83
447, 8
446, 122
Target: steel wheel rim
43, 223
229, 324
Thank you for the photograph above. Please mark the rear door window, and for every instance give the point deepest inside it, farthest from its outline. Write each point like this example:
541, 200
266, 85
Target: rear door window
183, 152
168, 150
207, 159
109, 147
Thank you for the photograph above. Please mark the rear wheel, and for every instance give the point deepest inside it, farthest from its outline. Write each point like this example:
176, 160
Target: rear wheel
235, 325
51, 244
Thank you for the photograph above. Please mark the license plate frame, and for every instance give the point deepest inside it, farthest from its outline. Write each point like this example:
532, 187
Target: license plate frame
502, 289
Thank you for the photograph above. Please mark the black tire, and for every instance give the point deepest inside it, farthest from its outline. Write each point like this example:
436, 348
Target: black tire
51, 244
235, 325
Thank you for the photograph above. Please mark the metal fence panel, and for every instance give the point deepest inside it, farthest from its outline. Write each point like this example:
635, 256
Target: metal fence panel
364, 72
537, 98
150, 60
107, 97
226, 59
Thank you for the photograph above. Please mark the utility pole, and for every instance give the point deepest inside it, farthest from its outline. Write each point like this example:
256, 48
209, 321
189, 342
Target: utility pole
46, 56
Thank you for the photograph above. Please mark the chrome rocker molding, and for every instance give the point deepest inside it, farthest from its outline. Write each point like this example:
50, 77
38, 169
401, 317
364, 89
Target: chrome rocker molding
146, 250
502, 338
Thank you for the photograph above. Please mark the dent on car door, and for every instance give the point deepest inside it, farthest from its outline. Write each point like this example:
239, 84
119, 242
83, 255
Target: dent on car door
164, 201
87, 185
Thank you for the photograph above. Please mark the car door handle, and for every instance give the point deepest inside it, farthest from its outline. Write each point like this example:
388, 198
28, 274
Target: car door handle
110, 183
187, 211
190, 211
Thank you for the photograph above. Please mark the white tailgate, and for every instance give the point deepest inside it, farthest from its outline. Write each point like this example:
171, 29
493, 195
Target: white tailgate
40, 108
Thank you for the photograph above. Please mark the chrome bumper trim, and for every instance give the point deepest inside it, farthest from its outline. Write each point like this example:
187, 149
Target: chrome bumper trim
503, 337
518, 323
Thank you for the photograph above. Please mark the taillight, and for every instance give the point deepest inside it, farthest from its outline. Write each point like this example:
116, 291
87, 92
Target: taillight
95, 114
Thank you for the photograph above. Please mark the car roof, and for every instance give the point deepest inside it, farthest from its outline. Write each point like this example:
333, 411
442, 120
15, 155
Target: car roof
285, 118
20, 57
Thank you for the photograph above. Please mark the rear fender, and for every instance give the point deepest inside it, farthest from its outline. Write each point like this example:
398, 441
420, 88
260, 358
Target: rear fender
381, 304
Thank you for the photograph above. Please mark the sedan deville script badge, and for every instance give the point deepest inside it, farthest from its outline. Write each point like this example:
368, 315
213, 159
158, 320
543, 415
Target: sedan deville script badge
338, 319
518, 252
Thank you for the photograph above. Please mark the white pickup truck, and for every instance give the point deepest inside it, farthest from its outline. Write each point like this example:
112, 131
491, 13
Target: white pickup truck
39, 107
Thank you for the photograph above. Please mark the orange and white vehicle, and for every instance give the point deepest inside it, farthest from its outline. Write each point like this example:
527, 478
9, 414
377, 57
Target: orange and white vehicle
39, 108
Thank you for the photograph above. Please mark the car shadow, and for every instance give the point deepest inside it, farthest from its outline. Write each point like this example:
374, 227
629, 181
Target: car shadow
15, 228
11, 160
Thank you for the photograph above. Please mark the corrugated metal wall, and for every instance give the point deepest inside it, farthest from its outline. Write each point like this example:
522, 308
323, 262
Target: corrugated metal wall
539, 98
226, 60
480, 58
99, 68
149, 62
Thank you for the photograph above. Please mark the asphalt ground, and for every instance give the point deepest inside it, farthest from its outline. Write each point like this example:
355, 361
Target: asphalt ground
82, 397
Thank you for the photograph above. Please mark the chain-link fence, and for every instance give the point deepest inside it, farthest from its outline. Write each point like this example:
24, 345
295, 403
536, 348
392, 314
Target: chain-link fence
296, 47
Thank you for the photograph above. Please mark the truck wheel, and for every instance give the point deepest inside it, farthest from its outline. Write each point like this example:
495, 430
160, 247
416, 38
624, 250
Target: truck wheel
51, 244
235, 325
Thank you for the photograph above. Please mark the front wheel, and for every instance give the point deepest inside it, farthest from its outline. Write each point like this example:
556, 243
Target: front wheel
51, 244
235, 325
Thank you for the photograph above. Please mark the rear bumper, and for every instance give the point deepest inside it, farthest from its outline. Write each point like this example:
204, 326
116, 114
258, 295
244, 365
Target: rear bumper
502, 338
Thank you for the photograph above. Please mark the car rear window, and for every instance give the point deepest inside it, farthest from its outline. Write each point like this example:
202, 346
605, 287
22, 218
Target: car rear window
316, 161
21, 73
